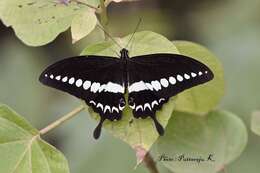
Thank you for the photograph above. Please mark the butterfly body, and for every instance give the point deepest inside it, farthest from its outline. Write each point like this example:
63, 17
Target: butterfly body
102, 82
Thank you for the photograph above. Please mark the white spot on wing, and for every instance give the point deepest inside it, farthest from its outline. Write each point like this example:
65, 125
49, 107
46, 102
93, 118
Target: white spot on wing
132, 106
72, 80
92, 102
115, 109
58, 77
200, 73
99, 105
156, 85
139, 107
79, 83
172, 80
65, 79
186, 76
51, 76
149, 86
179, 78
46, 75
121, 107
164, 82
114, 88
102, 87
193, 74
147, 105
206, 72
94, 87
86, 84
107, 107
137, 86
162, 99
154, 103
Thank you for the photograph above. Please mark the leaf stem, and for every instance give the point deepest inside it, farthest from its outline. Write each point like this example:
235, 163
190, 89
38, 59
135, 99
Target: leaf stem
150, 163
62, 120
103, 14
103, 17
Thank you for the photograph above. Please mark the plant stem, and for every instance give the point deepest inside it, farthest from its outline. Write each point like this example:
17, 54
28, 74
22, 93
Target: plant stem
103, 14
103, 17
62, 120
150, 163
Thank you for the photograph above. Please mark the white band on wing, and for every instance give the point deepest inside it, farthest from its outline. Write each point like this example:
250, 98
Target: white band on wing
157, 85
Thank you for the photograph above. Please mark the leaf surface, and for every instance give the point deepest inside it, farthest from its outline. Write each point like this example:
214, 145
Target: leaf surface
219, 133
82, 25
39, 22
23, 151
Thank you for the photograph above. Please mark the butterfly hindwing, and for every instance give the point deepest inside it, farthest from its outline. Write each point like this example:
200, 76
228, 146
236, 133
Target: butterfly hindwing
96, 80
154, 78
144, 104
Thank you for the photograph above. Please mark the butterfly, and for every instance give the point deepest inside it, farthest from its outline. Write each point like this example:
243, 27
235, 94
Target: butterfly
103, 81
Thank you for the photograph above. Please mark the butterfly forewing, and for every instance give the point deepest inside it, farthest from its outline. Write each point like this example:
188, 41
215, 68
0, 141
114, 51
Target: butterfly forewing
154, 78
96, 80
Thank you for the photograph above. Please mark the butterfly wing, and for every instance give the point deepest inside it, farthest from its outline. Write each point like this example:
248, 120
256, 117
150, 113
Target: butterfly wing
96, 80
154, 78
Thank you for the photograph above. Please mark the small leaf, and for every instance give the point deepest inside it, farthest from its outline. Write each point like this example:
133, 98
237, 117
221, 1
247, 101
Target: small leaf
23, 151
140, 134
255, 122
219, 133
203, 98
83, 24
39, 22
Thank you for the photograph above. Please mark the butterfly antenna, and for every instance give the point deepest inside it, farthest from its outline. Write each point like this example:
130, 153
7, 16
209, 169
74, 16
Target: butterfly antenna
110, 36
137, 26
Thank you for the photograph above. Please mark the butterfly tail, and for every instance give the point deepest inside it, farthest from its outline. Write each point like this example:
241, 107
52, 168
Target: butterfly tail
158, 126
98, 129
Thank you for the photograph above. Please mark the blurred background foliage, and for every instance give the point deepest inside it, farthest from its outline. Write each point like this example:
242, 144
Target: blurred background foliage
230, 28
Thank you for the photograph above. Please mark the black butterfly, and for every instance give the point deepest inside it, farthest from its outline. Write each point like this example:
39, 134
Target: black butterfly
102, 82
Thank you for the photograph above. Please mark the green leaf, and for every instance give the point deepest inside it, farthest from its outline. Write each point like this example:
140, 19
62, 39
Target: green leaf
82, 25
22, 150
203, 98
255, 122
145, 42
40, 22
219, 133
139, 134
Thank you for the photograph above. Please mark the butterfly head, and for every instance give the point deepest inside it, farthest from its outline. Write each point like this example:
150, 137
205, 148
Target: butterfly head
124, 53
